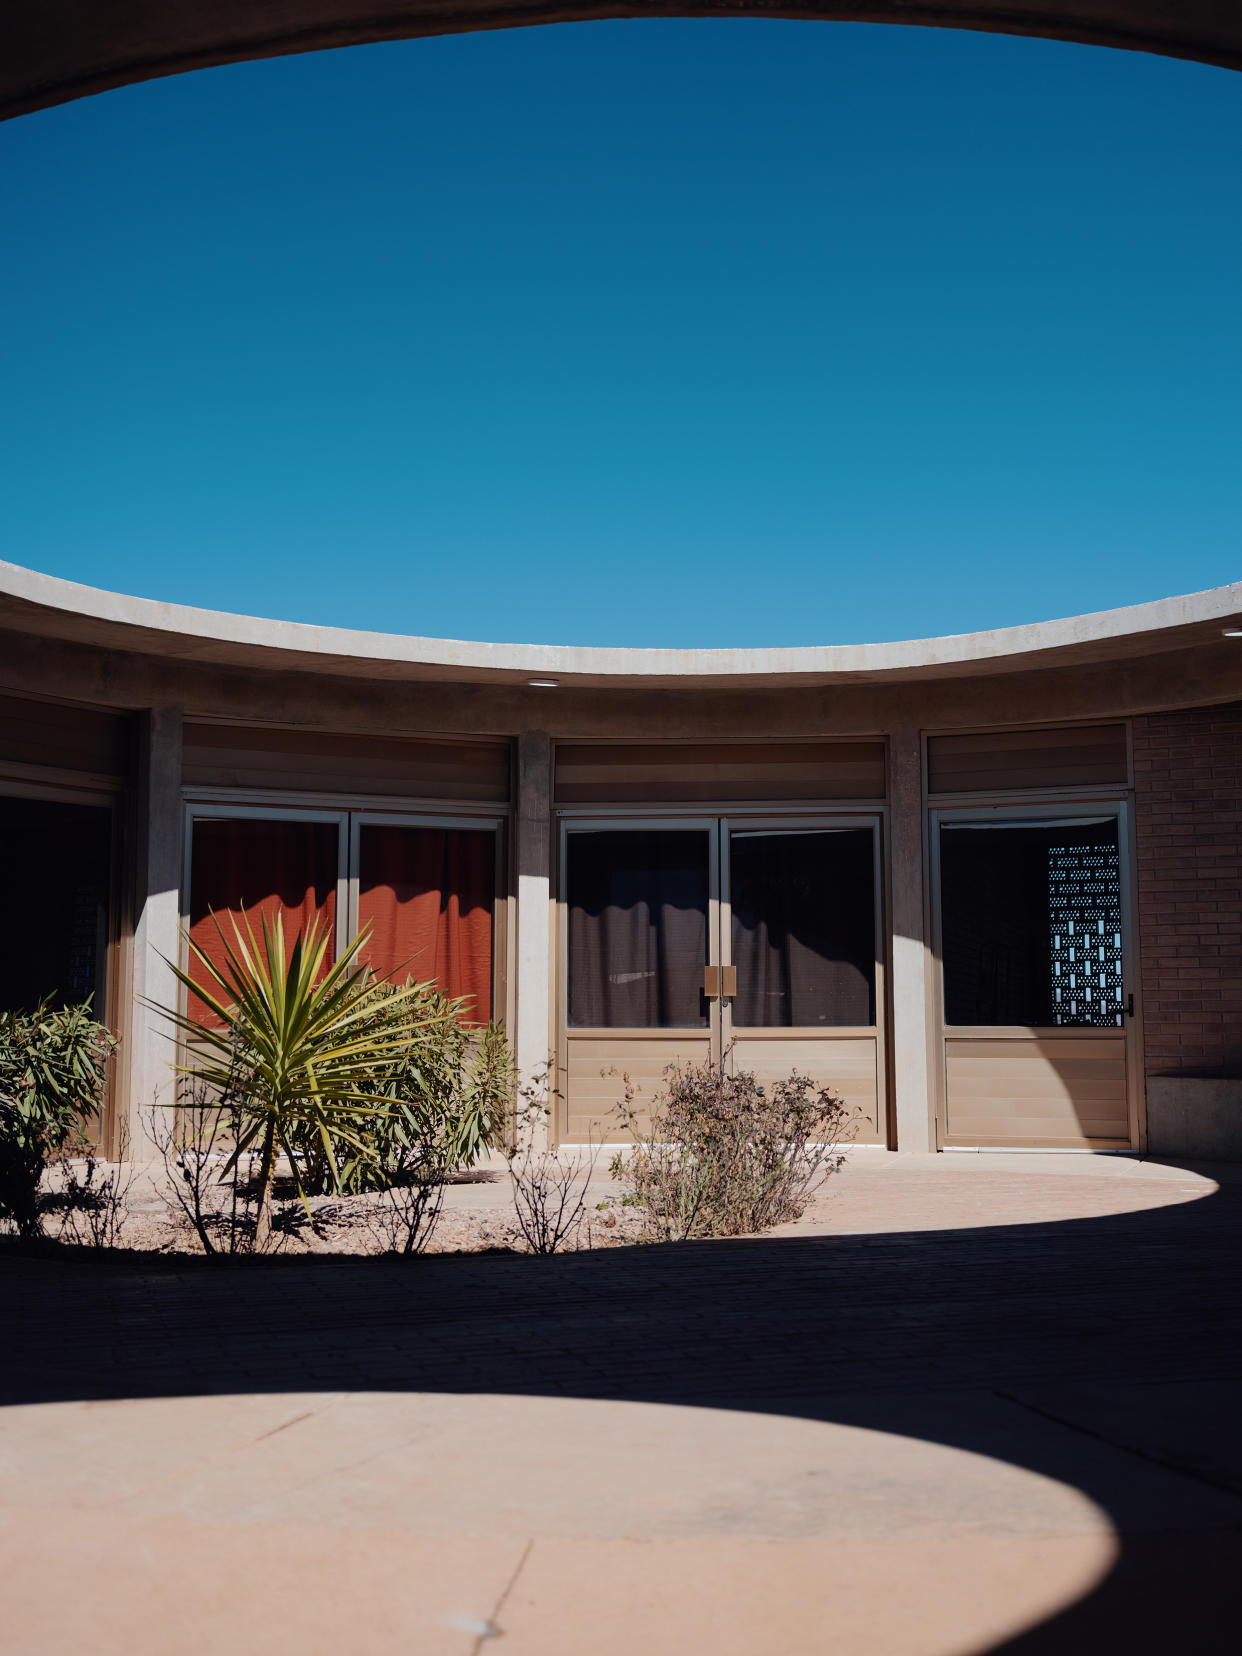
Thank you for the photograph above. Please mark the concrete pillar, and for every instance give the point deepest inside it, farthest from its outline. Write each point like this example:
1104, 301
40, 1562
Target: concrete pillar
911, 970
534, 1038
157, 918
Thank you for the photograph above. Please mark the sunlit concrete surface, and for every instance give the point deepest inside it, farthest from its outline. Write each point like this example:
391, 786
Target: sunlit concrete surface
364, 1520
998, 1417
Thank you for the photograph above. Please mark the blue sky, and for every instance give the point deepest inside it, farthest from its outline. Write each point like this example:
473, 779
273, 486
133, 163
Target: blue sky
698, 333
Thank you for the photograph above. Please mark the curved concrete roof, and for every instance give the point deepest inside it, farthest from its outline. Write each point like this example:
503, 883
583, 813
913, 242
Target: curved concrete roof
54, 50
46, 606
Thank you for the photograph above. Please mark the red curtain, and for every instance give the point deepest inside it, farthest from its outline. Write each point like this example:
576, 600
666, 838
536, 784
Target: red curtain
427, 895
267, 868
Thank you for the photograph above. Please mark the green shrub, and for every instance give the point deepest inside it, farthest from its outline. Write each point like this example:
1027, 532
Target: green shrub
53, 1067
725, 1155
447, 1094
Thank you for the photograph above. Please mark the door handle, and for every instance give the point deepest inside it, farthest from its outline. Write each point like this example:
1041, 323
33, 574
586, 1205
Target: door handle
711, 981
728, 982
1130, 1007
720, 982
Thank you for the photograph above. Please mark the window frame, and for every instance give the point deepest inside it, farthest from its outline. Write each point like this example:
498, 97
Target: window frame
350, 819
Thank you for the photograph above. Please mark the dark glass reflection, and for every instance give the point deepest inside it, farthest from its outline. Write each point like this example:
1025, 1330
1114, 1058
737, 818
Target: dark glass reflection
637, 929
57, 861
803, 927
1031, 924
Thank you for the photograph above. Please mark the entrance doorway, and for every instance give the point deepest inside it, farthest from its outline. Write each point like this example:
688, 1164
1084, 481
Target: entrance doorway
750, 941
1037, 976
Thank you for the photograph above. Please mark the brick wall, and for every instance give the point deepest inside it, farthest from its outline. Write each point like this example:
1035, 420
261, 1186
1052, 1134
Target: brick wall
1188, 816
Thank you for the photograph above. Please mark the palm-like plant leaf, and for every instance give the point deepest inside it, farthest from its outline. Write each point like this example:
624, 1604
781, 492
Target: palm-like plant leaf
315, 1039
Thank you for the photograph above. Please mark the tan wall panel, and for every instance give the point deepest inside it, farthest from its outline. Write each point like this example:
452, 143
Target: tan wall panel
239, 756
848, 1064
1007, 759
1056, 1091
83, 739
686, 773
592, 1095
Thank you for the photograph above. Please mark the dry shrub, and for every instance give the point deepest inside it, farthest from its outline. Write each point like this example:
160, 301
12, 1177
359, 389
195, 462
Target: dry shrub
94, 1196
727, 1155
549, 1192
207, 1187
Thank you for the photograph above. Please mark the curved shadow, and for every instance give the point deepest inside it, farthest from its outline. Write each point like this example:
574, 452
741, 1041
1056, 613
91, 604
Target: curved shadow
1101, 1352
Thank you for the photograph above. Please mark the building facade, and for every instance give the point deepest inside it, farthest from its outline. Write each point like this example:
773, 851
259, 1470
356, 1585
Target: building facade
988, 887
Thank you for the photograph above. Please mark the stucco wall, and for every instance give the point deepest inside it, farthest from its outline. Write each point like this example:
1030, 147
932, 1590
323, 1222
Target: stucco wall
1188, 813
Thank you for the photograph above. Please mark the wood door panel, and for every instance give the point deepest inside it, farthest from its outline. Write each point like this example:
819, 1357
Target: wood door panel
592, 1093
849, 1064
1053, 1092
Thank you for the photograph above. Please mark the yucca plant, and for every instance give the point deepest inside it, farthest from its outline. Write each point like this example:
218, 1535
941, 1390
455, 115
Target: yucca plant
314, 1043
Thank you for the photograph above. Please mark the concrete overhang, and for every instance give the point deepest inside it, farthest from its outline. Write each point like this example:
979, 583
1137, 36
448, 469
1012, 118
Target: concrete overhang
52, 51
45, 606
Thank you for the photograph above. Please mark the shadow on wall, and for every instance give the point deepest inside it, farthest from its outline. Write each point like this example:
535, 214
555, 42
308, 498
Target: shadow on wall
1095, 1352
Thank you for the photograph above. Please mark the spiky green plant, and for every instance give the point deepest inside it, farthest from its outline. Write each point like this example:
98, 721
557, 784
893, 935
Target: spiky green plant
53, 1069
313, 1041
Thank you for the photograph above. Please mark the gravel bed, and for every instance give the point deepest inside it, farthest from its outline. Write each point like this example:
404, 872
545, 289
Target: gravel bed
476, 1216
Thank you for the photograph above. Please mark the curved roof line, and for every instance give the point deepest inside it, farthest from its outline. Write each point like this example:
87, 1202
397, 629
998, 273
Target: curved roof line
51, 607
52, 51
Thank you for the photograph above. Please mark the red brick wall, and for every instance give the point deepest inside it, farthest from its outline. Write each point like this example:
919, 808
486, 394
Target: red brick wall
1188, 818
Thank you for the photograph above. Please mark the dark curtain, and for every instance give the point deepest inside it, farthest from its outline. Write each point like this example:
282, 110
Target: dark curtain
637, 929
803, 928
285, 869
57, 862
996, 919
427, 895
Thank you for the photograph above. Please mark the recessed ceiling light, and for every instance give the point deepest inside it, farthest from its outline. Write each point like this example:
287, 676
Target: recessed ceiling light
1232, 632
544, 684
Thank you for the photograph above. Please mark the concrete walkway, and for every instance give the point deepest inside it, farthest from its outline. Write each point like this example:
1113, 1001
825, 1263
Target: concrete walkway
968, 1404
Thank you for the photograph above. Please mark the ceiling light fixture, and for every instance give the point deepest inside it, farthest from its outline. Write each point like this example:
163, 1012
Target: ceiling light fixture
1232, 632
544, 684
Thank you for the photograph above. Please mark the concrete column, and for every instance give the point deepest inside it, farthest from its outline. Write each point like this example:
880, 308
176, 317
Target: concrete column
911, 971
534, 1038
157, 918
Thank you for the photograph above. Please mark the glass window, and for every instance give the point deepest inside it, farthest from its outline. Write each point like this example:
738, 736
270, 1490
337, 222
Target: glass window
638, 929
268, 868
426, 896
57, 861
803, 905
1031, 923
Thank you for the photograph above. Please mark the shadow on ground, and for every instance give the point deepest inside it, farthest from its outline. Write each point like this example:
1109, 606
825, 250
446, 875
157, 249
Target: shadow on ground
1104, 1353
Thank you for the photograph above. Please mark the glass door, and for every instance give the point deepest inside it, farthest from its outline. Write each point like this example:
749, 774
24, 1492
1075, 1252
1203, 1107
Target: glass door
747, 941
641, 906
803, 957
1033, 938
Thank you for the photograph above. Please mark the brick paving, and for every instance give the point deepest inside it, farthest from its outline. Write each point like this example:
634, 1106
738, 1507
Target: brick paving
915, 1304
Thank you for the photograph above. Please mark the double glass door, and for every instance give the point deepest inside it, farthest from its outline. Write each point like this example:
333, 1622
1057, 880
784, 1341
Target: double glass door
743, 941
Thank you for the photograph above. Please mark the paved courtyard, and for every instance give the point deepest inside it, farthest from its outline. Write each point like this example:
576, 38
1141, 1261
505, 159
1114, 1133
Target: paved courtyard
968, 1404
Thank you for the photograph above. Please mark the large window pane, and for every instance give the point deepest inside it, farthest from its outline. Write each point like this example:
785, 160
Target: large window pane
803, 927
426, 895
637, 929
57, 864
285, 869
1031, 923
